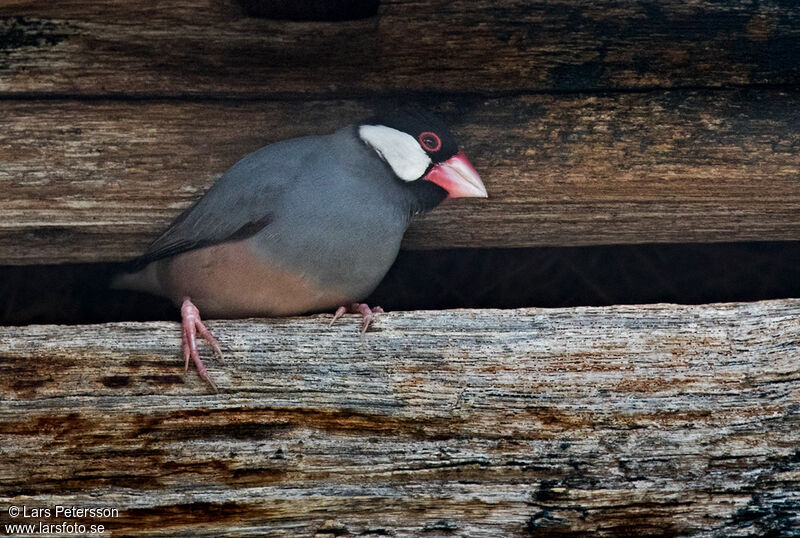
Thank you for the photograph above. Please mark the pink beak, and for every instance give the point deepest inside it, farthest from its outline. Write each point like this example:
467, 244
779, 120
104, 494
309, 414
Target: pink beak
457, 176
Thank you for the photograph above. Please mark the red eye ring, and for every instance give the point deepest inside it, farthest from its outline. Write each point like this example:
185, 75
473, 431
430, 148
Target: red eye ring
425, 139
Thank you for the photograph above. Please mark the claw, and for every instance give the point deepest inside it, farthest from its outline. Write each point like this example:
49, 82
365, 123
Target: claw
205, 333
339, 313
185, 348
369, 315
191, 326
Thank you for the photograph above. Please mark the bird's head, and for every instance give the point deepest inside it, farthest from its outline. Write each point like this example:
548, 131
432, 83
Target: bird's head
423, 153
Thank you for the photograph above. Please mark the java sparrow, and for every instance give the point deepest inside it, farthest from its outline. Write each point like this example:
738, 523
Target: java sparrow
304, 225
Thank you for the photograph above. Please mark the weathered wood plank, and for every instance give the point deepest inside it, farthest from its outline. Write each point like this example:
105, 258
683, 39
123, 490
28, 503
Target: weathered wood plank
630, 420
91, 181
131, 47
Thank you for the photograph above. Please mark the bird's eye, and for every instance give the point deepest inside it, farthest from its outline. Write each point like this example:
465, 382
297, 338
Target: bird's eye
430, 141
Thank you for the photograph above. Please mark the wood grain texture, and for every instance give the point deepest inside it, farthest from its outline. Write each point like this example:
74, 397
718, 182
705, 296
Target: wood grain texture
629, 420
181, 47
94, 181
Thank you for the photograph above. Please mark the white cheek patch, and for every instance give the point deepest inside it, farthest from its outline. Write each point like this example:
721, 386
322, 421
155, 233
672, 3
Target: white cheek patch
400, 150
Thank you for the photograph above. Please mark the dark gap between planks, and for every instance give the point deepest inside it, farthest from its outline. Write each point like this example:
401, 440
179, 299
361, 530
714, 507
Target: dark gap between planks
461, 278
310, 10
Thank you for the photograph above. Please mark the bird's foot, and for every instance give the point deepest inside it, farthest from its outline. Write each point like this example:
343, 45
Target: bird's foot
191, 326
368, 314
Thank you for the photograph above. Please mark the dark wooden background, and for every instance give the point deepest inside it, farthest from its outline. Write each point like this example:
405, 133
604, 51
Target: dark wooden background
591, 122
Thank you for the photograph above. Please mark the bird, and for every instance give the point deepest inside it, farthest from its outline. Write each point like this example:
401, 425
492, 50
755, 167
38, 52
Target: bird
303, 225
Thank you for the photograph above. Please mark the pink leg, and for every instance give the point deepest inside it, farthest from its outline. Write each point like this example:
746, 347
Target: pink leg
191, 326
368, 314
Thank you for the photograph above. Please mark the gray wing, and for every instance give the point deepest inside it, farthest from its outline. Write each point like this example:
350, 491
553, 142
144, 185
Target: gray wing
241, 203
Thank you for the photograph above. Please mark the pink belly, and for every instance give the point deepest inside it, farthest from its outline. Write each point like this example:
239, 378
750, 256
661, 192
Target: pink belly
229, 280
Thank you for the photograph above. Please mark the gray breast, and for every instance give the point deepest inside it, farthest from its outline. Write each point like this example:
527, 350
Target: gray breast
341, 224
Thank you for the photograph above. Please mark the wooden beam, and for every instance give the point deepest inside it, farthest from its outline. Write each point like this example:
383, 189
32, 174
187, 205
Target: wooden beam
97, 181
626, 420
130, 47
